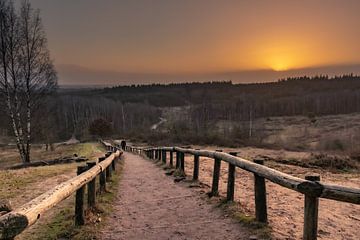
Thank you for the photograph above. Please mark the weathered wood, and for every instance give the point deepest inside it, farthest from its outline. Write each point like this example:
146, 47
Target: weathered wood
216, 177
108, 169
177, 160
102, 178
113, 164
171, 158
196, 167
79, 200
163, 156
92, 188
5, 206
260, 196
15, 222
340, 193
329, 191
182, 162
108, 174
231, 181
311, 207
273, 175
156, 154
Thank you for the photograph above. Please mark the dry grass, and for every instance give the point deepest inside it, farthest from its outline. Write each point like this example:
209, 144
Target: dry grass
15, 184
328, 133
20, 186
333, 163
9, 155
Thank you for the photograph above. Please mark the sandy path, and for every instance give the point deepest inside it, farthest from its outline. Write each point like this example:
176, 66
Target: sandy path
149, 205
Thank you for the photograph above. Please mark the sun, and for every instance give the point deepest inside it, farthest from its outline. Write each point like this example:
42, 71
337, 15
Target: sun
282, 55
280, 62
280, 66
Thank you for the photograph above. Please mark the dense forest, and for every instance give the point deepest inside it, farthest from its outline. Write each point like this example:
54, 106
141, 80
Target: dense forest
132, 110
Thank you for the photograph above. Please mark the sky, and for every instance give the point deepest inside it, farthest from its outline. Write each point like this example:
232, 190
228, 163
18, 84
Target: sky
144, 41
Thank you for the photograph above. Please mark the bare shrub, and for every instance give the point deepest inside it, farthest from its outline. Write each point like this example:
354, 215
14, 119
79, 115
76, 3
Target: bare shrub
333, 144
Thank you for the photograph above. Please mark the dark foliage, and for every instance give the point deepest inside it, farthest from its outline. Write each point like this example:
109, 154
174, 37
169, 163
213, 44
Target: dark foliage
100, 127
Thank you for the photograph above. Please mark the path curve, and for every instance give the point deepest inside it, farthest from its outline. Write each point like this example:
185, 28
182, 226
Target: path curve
149, 205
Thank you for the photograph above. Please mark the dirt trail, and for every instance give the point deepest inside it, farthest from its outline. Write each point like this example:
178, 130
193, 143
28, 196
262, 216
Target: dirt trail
149, 205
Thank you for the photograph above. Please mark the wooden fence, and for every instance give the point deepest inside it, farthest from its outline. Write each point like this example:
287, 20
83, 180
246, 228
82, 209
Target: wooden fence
311, 186
16, 221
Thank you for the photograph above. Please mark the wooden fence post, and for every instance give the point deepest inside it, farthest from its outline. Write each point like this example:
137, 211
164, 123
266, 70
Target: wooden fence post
216, 177
156, 154
196, 167
260, 196
91, 188
113, 164
108, 169
108, 173
79, 200
102, 178
182, 162
164, 156
171, 158
177, 160
231, 181
311, 213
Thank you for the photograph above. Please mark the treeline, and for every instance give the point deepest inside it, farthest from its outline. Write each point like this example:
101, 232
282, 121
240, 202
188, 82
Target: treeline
294, 96
132, 110
67, 116
319, 95
76, 113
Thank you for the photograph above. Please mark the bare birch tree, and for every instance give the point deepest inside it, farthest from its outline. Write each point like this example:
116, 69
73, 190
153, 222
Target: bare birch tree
27, 73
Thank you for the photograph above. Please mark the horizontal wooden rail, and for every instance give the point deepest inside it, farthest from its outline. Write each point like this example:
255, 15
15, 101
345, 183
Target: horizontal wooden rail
319, 189
311, 187
16, 221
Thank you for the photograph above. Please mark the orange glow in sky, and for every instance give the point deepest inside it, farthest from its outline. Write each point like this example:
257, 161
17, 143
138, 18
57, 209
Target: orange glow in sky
202, 36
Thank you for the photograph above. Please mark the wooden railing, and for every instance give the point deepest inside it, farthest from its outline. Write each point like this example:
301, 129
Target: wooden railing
311, 186
16, 221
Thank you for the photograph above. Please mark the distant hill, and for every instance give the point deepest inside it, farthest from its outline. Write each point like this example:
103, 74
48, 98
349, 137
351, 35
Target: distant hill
301, 95
79, 75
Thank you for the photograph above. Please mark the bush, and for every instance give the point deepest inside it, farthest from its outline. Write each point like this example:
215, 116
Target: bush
100, 127
332, 162
334, 145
